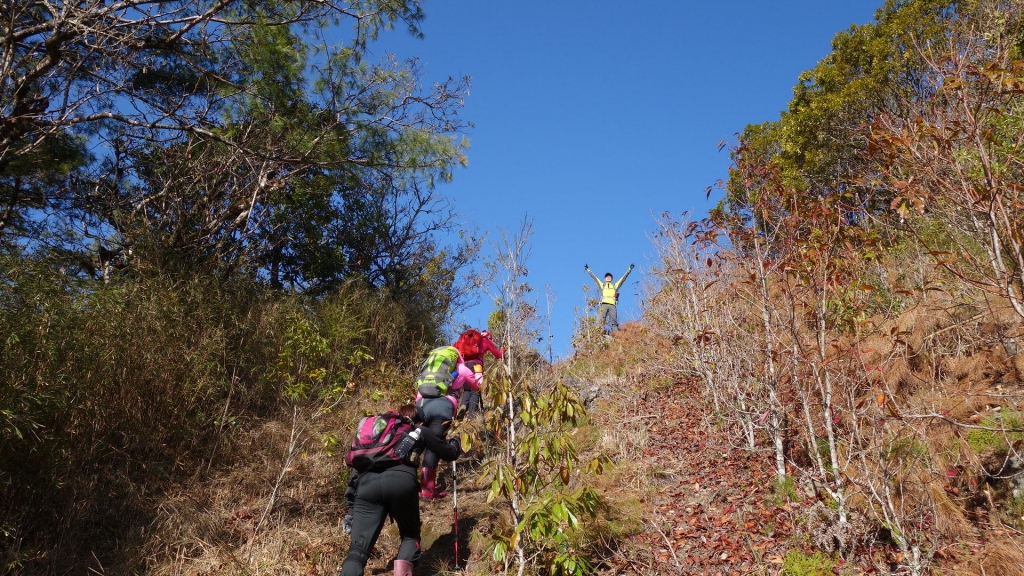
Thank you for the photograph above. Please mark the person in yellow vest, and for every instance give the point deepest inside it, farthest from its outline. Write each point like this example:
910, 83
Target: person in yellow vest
606, 313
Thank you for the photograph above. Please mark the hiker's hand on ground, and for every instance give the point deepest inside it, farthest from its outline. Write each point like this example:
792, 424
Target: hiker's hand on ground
455, 443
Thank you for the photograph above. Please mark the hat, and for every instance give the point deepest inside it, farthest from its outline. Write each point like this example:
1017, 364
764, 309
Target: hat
486, 333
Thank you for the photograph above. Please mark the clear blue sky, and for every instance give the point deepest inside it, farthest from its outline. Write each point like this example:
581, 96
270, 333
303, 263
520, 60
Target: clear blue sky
594, 116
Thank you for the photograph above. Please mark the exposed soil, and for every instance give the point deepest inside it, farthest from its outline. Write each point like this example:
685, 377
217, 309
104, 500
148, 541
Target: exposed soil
437, 535
711, 507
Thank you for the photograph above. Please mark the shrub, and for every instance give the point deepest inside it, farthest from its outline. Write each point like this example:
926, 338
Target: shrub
111, 394
798, 563
995, 439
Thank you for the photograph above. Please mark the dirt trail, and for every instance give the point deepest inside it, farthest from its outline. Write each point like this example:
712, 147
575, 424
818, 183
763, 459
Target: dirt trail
437, 536
712, 509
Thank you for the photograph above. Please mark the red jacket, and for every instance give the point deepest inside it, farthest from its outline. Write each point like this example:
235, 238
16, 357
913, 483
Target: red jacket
486, 345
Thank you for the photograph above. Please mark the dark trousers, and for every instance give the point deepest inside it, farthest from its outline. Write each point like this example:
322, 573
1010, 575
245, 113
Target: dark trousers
470, 399
607, 314
437, 414
392, 493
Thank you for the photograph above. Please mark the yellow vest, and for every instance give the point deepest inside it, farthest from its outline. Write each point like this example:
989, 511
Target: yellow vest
608, 290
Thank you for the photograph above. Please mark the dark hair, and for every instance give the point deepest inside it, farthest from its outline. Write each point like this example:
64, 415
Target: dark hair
609, 274
408, 410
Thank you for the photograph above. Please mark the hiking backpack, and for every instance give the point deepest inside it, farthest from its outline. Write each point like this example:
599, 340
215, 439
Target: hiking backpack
379, 442
470, 343
436, 372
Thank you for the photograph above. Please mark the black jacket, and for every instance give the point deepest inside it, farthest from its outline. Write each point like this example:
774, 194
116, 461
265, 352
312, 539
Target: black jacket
436, 444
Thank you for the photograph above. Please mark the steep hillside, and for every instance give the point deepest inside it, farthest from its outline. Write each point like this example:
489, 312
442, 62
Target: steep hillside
710, 503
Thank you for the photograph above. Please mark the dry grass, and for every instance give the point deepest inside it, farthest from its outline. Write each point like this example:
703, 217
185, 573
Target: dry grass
950, 519
952, 365
208, 527
624, 442
1018, 365
619, 430
1001, 556
950, 353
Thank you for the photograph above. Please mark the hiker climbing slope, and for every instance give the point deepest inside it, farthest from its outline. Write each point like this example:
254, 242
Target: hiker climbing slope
607, 313
384, 453
443, 372
474, 345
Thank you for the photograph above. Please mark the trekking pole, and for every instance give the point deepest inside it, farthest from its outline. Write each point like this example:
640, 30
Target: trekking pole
455, 508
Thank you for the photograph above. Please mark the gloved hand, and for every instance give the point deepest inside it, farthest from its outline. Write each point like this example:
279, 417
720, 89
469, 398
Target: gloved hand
346, 524
631, 266
457, 444
586, 267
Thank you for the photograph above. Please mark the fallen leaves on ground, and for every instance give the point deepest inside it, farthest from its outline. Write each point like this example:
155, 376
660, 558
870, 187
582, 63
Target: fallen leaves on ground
713, 510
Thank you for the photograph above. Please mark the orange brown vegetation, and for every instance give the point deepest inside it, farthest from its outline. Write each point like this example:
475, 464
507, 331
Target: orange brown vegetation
900, 415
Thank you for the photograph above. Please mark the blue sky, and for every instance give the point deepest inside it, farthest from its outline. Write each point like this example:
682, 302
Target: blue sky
593, 117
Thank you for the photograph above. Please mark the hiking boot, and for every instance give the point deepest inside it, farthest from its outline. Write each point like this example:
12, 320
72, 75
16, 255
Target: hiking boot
428, 484
403, 568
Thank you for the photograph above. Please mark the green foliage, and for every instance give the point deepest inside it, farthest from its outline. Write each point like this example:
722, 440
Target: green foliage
535, 466
798, 563
319, 362
905, 449
785, 490
112, 393
251, 147
261, 206
937, 168
26, 179
295, 367
1015, 509
551, 518
815, 148
824, 451
554, 526
1003, 432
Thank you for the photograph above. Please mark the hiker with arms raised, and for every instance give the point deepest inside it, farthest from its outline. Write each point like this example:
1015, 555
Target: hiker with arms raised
474, 345
606, 313
442, 373
385, 453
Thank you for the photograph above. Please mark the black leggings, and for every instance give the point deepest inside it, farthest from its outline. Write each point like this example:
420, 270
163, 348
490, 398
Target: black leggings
437, 414
470, 399
394, 493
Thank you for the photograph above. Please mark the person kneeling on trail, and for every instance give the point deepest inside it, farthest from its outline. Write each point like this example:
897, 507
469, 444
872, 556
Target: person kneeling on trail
442, 373
385, 453
606, 313
473, 346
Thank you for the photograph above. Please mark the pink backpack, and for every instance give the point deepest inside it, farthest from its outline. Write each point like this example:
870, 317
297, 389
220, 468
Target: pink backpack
378, 442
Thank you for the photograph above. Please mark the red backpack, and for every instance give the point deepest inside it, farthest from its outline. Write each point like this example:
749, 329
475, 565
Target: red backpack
378, 442
469, 344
